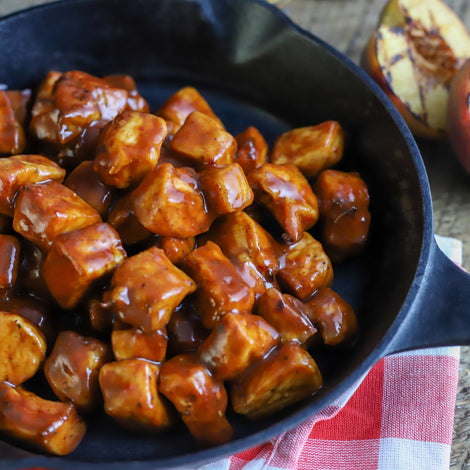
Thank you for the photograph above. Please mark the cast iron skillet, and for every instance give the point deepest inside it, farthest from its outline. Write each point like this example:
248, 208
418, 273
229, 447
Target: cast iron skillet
257, 68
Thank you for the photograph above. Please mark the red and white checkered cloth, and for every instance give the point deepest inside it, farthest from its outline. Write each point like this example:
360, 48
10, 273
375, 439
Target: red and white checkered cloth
399, 418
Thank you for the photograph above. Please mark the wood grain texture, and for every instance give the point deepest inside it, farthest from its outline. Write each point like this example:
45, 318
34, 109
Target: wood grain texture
347, 25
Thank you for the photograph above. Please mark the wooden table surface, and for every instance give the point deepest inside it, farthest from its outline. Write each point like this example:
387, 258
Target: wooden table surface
347, 25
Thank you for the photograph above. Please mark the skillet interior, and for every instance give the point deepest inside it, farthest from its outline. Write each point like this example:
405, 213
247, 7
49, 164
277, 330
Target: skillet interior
255, 68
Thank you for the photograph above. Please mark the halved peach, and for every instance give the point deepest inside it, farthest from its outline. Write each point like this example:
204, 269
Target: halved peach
414, 54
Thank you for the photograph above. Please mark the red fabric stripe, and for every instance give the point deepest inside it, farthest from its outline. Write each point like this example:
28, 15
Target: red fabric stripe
361, 416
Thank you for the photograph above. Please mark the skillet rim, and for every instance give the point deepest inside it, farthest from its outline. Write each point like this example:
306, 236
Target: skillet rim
356, 374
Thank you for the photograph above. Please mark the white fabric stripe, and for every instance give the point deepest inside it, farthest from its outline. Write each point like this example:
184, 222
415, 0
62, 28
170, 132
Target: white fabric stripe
398, 454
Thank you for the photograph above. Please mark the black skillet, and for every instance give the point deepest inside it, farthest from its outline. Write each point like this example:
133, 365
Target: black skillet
255, 67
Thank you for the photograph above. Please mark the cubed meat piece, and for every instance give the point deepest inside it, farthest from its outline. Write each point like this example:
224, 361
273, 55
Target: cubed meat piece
70, 110
249, 247
176, 249
185, 330
180, 105
133, 343
85, 183
135, 102
333, 316
252, 149
84, 100
44, 112
311, 149
203, 141
239, 340
287, 194
288, 375
19, 100
77, 259
12, 137
34, 310
9, 260
226, 189
73, 367
220, 288
23, 348
285, 313
304, 267
129, 148
146, 289
44, 211
131, 396
169, 202
199, 398
344, 213
124, 221
21, 170
50, 426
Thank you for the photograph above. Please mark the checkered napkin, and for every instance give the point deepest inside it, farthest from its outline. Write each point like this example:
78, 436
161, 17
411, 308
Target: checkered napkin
399, 418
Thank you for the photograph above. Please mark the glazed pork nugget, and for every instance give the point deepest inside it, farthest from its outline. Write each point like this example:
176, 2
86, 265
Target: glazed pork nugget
23, 348
146, 289
12, 137
77, 259
203, 141
333, 316
252, 149
44, 113
9, 260
312, 148
133, 343
34, 310
70, 110
220, 288
44, 211
21, 170
176, 249
249, 247
82, 101
289, 374
131, 396
19, 100
85, 183
129, 148
199, 398
50, 426
226, 189
180, 105
304, 267
285, 313
135, 102
169, 202
284, 190
344, 212
73, 367
239, 340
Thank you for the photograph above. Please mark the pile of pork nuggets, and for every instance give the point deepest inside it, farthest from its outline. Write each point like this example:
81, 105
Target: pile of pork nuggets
184, 251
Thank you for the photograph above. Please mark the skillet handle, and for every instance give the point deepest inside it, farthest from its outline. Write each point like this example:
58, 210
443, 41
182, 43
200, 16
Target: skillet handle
440, 316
